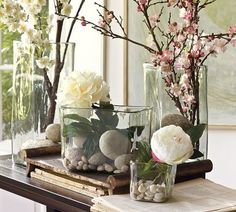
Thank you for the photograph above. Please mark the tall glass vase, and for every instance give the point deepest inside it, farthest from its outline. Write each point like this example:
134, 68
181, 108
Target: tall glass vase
167, 113
151, 93
31, 100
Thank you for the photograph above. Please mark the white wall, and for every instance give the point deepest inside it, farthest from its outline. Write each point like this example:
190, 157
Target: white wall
221, 150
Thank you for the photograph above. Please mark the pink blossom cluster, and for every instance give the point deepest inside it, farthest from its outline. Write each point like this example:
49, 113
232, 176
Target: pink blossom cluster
182, 49
185, 51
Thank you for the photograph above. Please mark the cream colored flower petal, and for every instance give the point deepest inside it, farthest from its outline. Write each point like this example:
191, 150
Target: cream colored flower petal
171, 145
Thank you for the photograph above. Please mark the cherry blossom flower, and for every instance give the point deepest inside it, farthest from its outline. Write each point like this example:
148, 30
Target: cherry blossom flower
175, 89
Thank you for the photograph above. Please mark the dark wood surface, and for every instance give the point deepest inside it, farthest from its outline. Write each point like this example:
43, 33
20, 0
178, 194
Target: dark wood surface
13, 179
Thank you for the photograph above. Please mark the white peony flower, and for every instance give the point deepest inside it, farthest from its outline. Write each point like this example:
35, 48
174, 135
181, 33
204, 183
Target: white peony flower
171, 145
82, 89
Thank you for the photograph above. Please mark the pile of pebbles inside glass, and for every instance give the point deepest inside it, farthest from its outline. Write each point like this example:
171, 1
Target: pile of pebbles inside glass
148, 191
113, 154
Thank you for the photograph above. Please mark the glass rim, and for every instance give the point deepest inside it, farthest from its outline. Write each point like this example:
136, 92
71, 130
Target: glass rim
143, 163
119, 109
150, 65
51, 42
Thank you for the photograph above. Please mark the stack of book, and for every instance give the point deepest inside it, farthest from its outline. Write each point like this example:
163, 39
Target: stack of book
49, 169
194, 195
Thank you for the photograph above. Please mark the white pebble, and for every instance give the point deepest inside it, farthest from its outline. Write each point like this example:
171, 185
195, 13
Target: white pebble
140, 182
84, 159
74, 163
113, 143
80, 163
149, 194
117, 171
53, 132
79, 167
142, 188
148, 183
134, 189
97, 159
160, 189
159, 197
140, 196
108, 167
70, 167
79, 141
124, 168
85, 167
153, 188
100, 168
148, 198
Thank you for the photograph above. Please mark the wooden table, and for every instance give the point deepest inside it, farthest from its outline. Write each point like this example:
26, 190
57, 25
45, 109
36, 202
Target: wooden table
13, 179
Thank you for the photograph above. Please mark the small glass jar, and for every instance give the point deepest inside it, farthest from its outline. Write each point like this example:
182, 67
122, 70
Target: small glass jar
99, 139
151, 182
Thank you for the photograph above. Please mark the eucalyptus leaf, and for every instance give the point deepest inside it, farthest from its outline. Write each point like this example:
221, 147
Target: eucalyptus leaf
76, 117
91, 145
196, 132
131, 131
196, 154
98, 126
107, 117
76, 129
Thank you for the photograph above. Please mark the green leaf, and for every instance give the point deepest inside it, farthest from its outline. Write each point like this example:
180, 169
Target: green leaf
143, 153
131, 130
107, 117
91, 145
76, 117
196, 132
76, 129
98, 126
196, 154
152, 170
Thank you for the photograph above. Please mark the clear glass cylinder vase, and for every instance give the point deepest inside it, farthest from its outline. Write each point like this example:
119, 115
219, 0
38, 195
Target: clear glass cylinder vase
33, 81
157, 93
151, 183
151, 92
102, 139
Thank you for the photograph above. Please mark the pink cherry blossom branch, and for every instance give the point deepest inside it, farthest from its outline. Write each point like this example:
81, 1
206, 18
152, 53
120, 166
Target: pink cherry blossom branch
110, 33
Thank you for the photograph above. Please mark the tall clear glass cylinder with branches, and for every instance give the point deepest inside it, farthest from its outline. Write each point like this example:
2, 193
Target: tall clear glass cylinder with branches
33, 94
171, 109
